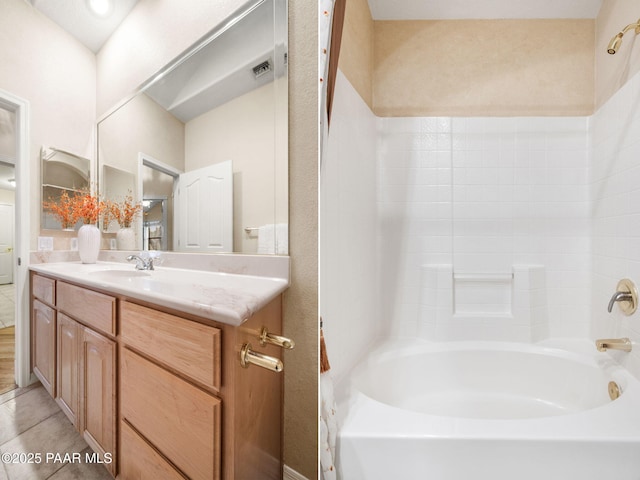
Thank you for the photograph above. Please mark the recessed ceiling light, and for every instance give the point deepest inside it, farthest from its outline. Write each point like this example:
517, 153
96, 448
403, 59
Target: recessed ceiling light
101, 8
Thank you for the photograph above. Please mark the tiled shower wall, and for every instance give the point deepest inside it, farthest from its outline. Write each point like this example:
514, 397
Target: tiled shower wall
484, 195
615, 193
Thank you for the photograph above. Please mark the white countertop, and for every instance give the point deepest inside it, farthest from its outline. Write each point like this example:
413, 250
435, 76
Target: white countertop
224, 297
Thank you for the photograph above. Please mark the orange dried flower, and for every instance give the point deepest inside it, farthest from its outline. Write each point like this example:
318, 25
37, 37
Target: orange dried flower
124, 212
64, 210
88, 207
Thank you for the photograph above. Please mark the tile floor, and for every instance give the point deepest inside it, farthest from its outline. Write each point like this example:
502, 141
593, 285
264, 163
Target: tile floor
32, 423
7, 305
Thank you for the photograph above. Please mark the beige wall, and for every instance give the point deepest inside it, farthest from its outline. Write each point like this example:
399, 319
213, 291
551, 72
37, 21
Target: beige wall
483, 67
613, 71
356, 50
56, 74
8, 197
242, 130
141, 126
469, 67
301, 300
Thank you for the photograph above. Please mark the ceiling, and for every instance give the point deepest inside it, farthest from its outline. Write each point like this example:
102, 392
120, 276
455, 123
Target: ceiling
482, 9
75, 17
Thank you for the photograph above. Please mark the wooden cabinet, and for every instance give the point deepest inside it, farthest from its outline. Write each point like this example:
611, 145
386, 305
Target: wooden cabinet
181, 421
43, 344
164, 390
142, 461
75, 363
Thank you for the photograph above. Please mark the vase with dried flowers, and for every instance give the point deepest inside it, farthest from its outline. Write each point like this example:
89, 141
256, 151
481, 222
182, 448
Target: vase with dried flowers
124, 213
63, 210
88, 208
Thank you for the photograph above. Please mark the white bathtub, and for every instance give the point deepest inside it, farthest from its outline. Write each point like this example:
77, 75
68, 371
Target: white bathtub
488, 410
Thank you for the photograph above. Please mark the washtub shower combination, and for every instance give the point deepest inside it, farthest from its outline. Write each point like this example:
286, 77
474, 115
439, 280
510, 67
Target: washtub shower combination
458, 410
489, 410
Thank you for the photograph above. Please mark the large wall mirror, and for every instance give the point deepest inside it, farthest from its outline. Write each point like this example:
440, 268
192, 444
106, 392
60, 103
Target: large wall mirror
202, 145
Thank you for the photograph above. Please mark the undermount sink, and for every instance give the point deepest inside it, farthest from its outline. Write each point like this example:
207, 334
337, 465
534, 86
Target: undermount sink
119, 274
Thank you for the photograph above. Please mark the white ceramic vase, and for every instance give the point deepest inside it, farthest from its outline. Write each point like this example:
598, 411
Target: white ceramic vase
89, 243
126, 239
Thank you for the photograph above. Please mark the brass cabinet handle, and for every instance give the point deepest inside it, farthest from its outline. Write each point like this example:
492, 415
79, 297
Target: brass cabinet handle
284, 342
248, 356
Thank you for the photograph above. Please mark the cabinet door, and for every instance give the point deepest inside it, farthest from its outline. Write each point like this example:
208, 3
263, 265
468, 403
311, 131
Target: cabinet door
97, 394
44, 345
67, 367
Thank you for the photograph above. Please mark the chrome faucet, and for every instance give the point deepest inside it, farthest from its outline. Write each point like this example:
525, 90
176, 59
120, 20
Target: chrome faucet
619, 297
605, 344
627, 296
142, 263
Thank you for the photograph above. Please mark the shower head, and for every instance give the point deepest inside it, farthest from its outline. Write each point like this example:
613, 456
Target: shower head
616, 41
614, 44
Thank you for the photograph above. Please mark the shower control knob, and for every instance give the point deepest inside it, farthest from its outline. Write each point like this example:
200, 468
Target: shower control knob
626, 296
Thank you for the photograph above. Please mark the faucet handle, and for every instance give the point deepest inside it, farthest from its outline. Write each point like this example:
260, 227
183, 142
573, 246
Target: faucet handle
626, 295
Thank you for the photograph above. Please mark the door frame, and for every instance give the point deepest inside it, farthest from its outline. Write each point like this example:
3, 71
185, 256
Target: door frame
145, 160
22, 232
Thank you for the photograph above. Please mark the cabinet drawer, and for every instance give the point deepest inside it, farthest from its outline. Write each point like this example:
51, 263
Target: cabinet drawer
139, 461
44, 289
180, 420
188, 347
92, 308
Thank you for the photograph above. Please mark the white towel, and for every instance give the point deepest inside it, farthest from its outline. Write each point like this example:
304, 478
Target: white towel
267, 239
282, 239
273, 238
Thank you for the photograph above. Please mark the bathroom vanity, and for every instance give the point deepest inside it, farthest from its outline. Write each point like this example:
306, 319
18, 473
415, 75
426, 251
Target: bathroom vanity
154, 370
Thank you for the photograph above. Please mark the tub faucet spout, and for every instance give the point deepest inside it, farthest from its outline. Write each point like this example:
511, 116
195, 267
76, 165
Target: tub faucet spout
605, 344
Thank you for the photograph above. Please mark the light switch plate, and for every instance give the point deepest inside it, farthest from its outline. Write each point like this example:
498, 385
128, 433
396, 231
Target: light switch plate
74, 244
112, 244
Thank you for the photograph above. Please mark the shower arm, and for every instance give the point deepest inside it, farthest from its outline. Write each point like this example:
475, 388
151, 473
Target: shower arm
615, 42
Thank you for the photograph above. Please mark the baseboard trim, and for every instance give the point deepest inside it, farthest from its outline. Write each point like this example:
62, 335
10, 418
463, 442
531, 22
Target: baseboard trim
289, 473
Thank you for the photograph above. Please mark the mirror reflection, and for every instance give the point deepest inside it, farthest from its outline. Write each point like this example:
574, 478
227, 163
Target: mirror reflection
203, 145
63, 174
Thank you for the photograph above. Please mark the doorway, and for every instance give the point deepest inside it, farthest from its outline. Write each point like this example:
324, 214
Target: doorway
7, 242
15, 152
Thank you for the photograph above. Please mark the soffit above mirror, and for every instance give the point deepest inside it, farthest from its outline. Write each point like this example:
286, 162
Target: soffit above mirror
244, 56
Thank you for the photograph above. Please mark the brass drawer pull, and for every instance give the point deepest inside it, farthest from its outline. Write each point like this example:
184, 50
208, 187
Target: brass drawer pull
284, 342
248, 356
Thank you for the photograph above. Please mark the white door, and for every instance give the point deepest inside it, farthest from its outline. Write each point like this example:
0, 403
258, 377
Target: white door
204, 199
6, 244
